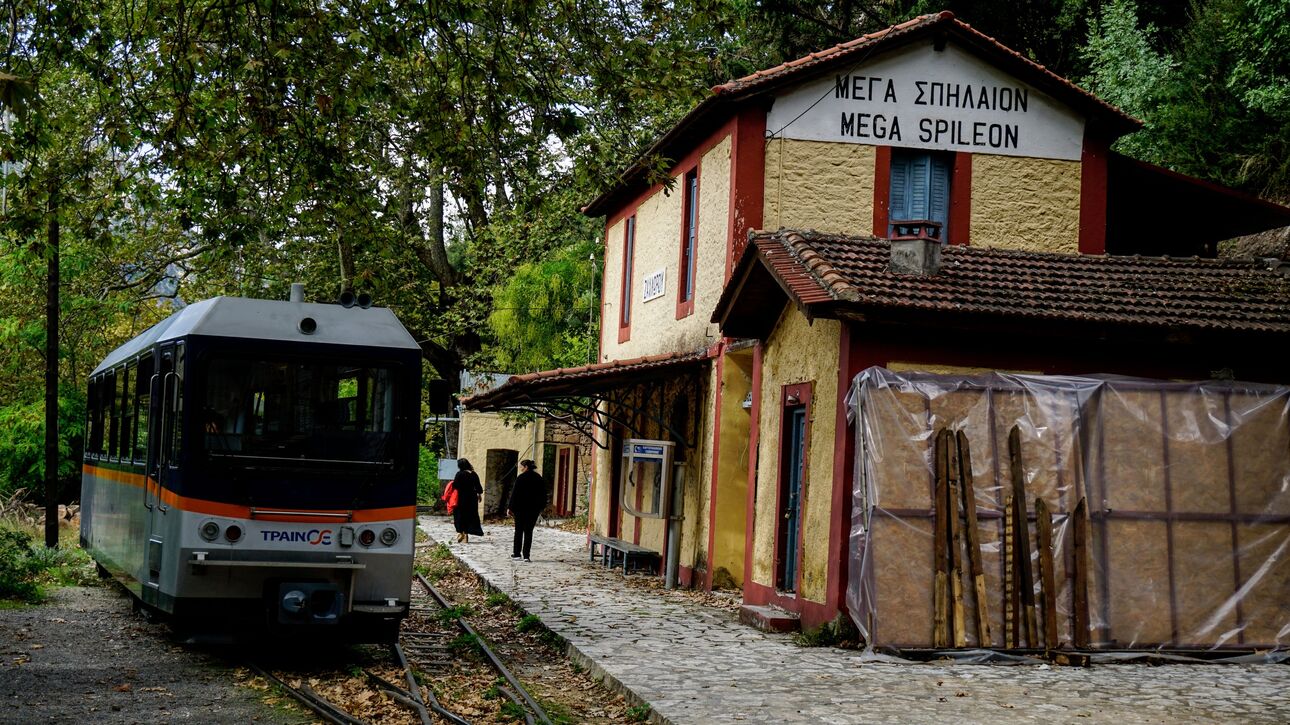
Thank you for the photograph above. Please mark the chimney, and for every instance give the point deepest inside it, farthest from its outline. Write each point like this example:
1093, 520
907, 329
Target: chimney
297, 292
919, 256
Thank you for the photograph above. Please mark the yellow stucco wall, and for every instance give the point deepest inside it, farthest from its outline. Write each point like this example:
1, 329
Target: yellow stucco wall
1024, 203
798, 352
818, 185
601, 463
1017, 203
655, 328
732, 469
695, 553
481, 432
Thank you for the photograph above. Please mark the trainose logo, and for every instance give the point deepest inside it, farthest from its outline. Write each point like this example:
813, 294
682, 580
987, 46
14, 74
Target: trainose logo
314, 537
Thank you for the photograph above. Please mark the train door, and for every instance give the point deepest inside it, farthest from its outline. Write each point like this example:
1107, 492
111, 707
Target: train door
163, 449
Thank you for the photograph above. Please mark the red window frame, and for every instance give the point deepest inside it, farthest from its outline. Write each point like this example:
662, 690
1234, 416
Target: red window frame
688, 266
625, 288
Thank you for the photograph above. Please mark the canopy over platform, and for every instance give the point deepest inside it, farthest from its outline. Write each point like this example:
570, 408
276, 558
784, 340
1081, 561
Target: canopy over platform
624, 394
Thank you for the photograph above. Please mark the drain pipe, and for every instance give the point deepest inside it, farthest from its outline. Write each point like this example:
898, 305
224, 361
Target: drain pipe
674, 527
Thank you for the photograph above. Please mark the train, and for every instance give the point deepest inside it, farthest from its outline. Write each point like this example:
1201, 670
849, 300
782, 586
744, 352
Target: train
250, 466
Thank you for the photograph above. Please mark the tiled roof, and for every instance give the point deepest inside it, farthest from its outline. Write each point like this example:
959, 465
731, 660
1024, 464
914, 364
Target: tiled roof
582, 380
1189, 293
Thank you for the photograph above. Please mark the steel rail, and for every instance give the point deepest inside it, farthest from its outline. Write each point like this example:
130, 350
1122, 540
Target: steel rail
310, 699
501, 668
415, 691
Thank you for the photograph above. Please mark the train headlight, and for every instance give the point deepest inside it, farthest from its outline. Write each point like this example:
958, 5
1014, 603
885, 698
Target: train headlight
233, 534
366, 537
210, 531
389, 536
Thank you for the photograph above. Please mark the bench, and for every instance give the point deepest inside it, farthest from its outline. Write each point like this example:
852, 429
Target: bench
631, 556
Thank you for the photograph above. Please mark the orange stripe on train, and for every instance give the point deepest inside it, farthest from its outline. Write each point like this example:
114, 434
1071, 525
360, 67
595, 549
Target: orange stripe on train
236, 511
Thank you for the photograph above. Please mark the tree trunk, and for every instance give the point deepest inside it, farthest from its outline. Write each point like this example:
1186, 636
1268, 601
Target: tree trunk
436, 257
346, 249
51, 373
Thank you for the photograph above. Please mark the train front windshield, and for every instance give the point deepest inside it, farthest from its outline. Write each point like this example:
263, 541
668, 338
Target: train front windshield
297, 411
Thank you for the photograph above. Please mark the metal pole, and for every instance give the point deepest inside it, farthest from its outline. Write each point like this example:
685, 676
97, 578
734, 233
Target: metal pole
673, 527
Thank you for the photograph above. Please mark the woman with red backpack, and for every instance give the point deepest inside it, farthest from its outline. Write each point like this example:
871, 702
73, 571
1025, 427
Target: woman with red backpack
462, 497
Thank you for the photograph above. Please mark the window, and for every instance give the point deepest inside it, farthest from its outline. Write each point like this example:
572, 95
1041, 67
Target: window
125, 449
920, 191
629, 251
295, 410
143, 398
111, 414
689, 244
94, 419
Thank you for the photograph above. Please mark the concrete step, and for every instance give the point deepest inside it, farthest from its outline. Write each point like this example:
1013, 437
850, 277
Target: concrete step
769, 619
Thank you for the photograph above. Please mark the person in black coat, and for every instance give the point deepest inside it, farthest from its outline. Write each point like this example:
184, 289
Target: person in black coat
528, 499
465, 516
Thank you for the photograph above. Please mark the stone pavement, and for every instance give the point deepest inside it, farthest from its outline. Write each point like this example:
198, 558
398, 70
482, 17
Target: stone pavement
697, 664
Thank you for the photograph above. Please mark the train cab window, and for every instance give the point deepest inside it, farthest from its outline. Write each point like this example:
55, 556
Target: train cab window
298, 411
175, 403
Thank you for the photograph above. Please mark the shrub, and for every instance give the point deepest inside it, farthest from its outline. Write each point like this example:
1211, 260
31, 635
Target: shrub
17, 566
528, 623
22, 442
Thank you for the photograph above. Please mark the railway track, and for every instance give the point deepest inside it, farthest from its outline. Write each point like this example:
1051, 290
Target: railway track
431, 643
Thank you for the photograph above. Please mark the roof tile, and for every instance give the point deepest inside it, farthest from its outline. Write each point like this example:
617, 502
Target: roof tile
1190, 293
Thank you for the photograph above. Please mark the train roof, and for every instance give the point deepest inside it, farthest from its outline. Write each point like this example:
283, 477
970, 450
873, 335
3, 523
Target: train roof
245, 318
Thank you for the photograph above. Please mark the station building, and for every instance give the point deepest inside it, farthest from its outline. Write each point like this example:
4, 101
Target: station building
743, 297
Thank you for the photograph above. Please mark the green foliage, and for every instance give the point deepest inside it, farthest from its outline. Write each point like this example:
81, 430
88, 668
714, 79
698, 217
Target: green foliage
1216, 103
638, 713
453, 613
428, 485
437, 571
530, 623
497, 599
440, 552
17, 566
513, 711
22, 443
1125, 70
26, 570
545, 315
464, 644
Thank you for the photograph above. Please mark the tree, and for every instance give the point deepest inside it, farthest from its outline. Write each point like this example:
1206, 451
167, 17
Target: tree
1218, 107
546, 315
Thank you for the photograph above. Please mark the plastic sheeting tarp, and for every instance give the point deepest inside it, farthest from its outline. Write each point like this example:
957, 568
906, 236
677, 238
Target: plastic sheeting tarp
1188, 490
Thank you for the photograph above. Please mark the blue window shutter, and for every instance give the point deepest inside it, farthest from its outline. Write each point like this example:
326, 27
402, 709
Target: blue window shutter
919, 168
899, 207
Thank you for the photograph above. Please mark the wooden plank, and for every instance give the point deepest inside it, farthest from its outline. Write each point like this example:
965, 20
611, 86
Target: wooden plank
1079, 573
954, 535
973, 531
1047, 577
940, 587
1010, 601
1026, 574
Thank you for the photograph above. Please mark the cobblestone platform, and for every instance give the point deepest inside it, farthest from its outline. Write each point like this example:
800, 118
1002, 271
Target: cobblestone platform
697, 664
